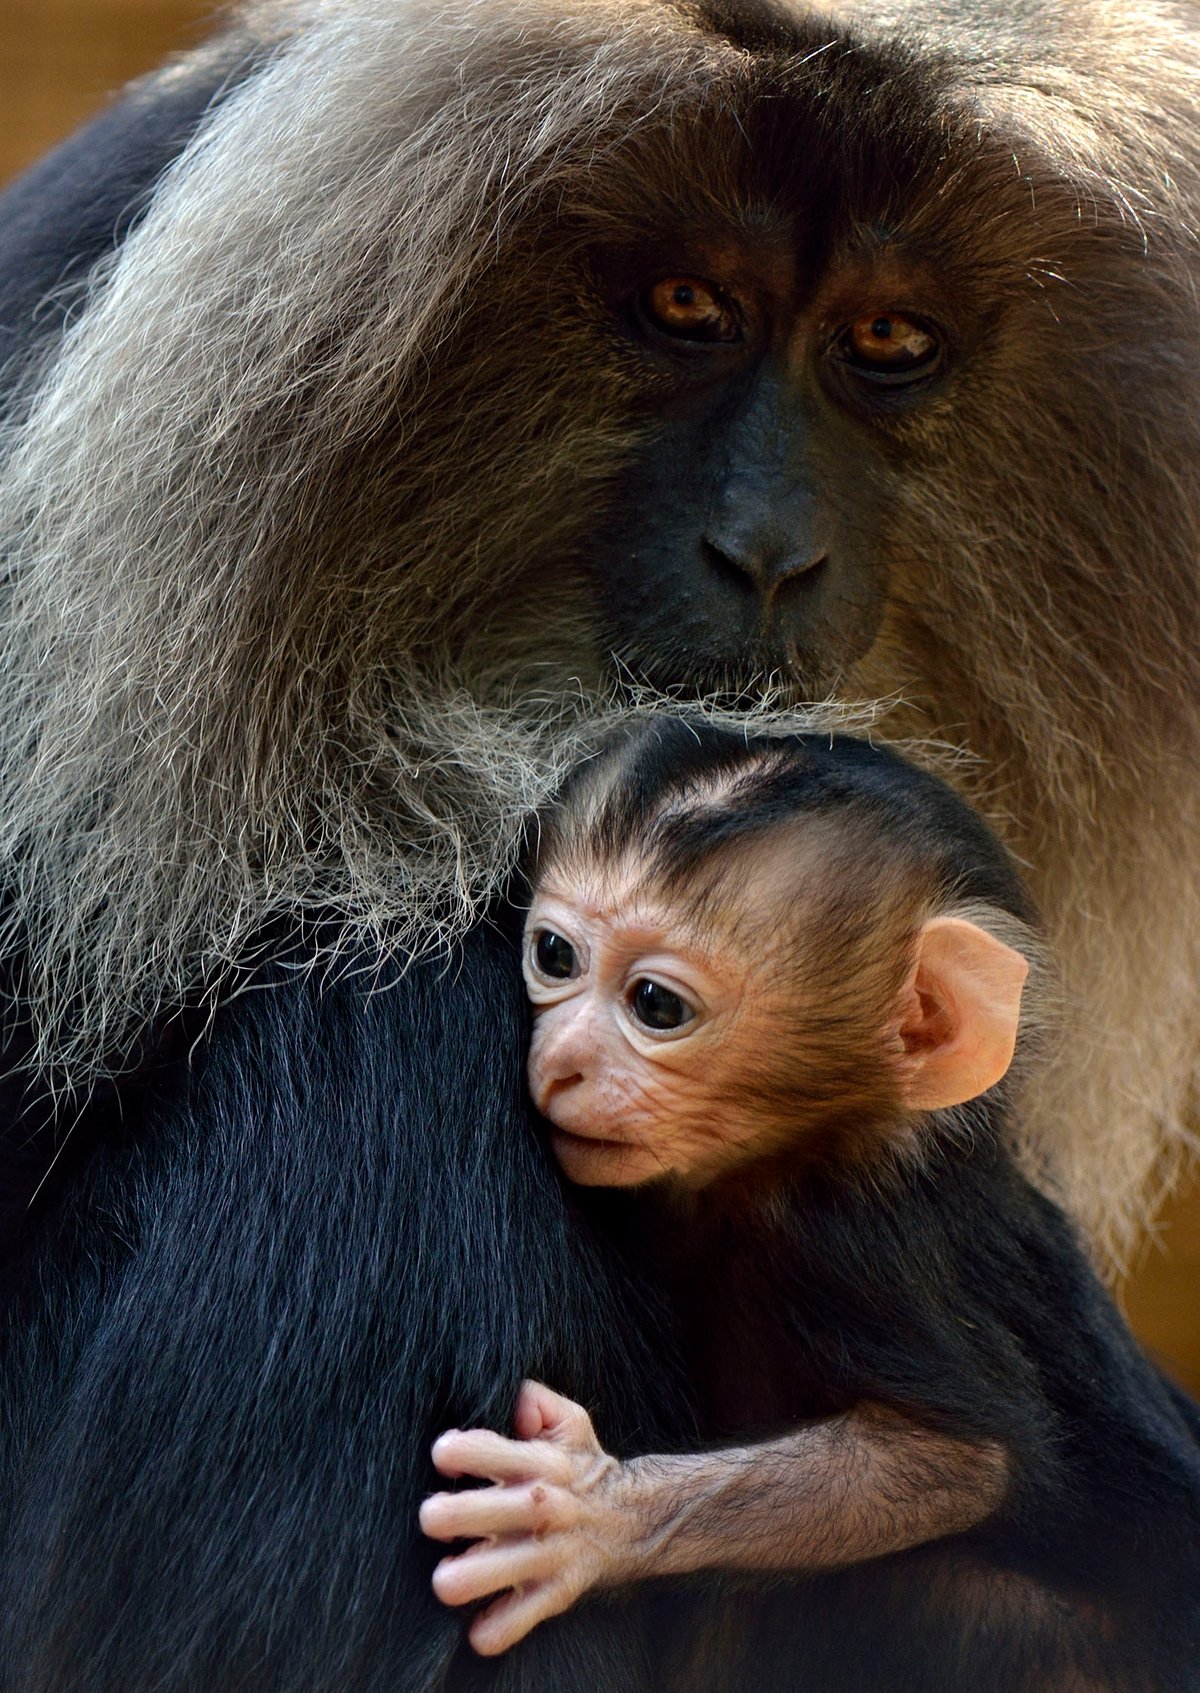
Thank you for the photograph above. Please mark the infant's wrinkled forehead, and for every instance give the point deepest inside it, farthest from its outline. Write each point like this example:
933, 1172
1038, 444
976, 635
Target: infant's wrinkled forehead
729, 898
604, 887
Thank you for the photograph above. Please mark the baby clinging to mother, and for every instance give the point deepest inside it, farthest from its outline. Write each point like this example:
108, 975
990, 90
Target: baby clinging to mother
777, 989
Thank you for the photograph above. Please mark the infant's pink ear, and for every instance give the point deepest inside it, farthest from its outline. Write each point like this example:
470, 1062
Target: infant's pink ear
958, 1014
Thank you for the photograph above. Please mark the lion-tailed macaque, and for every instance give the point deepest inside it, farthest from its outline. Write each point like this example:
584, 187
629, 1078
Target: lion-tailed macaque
777, 987
385, 385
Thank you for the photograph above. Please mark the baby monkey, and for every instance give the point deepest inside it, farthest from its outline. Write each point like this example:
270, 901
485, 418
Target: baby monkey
776, 987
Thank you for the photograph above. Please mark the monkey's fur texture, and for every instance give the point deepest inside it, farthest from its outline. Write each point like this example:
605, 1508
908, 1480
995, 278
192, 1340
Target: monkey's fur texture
295, 480
324, 413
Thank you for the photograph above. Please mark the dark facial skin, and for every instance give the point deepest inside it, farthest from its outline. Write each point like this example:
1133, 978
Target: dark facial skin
749, 532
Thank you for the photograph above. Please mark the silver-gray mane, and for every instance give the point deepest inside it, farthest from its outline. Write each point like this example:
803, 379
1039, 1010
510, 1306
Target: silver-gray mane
276, 633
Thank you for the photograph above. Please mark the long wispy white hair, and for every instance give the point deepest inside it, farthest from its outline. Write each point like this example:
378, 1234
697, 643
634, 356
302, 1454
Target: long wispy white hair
289, 620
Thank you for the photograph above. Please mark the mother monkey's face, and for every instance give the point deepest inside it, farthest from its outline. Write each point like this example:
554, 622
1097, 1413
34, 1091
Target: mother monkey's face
788, 360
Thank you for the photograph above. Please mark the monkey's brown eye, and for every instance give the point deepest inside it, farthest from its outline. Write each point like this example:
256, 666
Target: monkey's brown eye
553, 956
889, 347
691, 309
656, 1007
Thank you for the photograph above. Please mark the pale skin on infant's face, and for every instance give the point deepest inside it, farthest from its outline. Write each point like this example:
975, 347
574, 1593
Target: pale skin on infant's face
641, 1023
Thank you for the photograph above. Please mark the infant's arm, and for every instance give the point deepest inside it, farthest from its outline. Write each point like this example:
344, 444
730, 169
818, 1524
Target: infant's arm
563, 1517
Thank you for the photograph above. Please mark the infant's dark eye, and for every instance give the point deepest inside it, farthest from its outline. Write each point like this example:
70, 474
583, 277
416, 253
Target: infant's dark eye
554, 956
656, 1007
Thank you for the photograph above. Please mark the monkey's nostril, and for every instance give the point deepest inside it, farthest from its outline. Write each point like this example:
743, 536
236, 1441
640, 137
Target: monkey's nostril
728, 568
805, 570
762, 569
561, 1084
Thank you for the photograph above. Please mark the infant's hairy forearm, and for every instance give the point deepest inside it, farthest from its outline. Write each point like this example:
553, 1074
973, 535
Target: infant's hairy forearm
833, 1493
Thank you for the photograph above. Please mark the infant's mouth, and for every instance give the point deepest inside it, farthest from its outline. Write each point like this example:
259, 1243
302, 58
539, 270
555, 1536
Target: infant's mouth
594, 1141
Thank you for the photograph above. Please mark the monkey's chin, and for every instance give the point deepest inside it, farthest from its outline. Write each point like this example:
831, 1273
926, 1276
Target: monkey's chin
589, 1162
785, 677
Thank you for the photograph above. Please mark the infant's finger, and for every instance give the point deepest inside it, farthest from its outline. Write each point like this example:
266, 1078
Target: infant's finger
481, 1452
533, 1509
541, 1411
510, 1618
490, 1567
534, 1410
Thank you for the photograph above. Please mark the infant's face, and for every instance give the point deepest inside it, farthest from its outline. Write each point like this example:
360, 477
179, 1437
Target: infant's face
643, 1030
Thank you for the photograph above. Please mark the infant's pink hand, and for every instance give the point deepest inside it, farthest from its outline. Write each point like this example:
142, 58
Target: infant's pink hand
547, 1530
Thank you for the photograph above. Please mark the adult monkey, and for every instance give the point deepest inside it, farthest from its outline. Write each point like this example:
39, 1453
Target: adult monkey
456, 352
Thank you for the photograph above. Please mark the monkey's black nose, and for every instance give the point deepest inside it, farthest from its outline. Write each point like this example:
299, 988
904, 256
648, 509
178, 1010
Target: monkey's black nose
761, 565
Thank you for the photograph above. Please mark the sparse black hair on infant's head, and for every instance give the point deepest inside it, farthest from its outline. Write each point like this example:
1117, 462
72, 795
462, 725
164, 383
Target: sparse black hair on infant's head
683, 794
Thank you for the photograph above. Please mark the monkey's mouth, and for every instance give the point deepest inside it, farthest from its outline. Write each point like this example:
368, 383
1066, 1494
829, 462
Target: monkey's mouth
595, 1143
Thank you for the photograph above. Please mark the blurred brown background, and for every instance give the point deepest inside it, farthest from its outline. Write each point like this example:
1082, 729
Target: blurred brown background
58, 61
